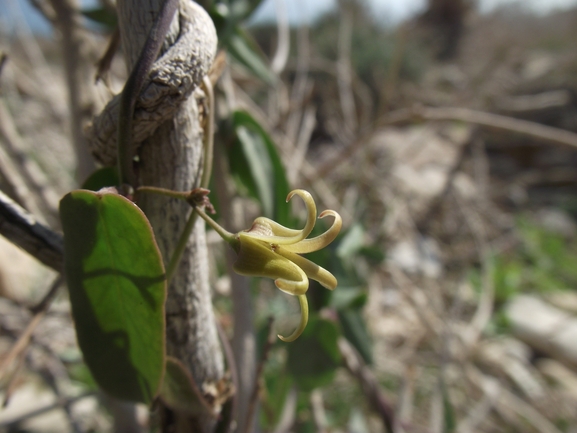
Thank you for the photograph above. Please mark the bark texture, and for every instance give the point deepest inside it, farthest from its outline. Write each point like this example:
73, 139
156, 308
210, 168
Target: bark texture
171, 158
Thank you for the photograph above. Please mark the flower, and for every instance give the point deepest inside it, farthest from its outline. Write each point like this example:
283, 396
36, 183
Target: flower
271, 250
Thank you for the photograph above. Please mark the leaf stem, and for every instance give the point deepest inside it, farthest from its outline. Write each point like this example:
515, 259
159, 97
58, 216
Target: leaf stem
180, 246
163, 191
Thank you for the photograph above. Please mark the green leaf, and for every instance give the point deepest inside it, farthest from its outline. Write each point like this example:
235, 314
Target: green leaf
352, 242
448, 411
248, 54
314, 357
265, 166
117, 290
102, 178
355, 330
179, 391
260, 168
242, 9
102, 16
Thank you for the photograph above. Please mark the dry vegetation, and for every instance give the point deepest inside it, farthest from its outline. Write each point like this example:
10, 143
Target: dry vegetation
471, 311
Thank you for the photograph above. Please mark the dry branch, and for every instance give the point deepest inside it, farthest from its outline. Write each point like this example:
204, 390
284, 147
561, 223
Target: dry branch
22, 229
489, 120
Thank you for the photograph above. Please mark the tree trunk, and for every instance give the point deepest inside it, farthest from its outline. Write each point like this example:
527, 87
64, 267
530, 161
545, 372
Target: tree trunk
172, 158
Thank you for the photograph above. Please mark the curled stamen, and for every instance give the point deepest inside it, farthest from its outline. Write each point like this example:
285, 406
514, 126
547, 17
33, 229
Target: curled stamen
303, 323
321, 241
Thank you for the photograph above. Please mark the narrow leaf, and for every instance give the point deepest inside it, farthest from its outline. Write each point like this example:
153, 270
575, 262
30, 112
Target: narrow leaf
275, 173
117, 290
247, 53
179, 391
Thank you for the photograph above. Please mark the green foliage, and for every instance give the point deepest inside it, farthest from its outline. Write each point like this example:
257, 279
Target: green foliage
543, 262
314, 357
244, 50
102, 178
228, 17
117, 291
255, 163
102, 16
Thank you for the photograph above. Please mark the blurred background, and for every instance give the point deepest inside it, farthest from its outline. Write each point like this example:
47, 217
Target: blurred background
445, 134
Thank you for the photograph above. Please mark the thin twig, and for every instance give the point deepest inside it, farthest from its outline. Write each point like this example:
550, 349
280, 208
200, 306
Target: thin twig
229, 356
344, 70
281, 55
271, 338
22, 342
369, 384
103, 65
489, 120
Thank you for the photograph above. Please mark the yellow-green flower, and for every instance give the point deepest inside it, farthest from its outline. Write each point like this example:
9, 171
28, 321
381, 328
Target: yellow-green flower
271, 250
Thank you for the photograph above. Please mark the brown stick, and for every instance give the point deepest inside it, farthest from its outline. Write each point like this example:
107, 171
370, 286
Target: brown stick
489, 120
22, 342
369, 384
22, 229
256, 387
545, 133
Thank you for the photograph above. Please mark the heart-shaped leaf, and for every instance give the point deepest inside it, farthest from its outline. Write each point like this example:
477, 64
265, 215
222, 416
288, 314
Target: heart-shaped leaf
117, 289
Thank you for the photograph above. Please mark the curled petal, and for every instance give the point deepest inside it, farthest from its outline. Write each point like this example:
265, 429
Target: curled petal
285, 235
321, 241
303, 323
312, 270
275, 229
257, 259
294, 287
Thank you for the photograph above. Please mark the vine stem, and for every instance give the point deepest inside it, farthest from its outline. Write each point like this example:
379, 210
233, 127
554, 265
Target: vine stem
133, 87
162, 191
205, 180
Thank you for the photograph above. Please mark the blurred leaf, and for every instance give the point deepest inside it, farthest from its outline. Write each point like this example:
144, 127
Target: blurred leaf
102, 178
102, 16
247, 53
81, 374
242, 9
348, 297
261, 171
355, 330
374, 253
314, 357
179, 390
352, 242
448, 411
277, 386
117, 290
507, 278
269, 182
